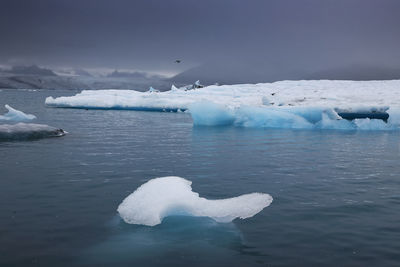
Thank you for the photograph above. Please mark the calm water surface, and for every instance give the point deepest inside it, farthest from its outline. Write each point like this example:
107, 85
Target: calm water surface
336, 193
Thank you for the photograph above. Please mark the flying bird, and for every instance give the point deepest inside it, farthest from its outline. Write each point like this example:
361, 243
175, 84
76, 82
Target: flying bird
178, 61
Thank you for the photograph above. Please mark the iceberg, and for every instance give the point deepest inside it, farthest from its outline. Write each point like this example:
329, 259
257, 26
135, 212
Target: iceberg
167, 196
28, 131
284, 104
16, 115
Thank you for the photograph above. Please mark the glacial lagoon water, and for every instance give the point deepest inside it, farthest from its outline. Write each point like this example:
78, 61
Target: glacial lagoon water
336, 193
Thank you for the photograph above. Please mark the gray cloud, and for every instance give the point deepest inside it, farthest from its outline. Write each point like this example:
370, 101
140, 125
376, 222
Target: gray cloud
150, 34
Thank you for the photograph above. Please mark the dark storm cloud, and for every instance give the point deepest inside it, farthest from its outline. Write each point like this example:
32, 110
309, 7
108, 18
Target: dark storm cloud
151, 34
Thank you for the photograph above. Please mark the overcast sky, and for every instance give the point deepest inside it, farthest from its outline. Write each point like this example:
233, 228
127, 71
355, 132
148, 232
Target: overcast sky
150, 34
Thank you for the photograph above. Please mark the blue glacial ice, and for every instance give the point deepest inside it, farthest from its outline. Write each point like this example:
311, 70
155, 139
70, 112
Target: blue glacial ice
211, 114
16, 115
169, 196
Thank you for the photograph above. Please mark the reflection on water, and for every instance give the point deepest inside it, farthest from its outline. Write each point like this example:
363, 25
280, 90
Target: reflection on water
179, 237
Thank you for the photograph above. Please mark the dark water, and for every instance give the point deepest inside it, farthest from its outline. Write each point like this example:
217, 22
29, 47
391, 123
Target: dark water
336, 193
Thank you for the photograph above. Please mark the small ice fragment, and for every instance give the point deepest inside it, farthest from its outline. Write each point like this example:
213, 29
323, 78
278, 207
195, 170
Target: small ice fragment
16, 115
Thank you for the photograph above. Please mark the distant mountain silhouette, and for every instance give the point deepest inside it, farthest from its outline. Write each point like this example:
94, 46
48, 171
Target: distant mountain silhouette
31, 70
82, 72
34, 77
228, 73
356, 73
121, 74
252, 71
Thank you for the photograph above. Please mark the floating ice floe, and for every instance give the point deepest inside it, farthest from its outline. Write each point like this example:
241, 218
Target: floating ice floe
27, 131
16, 115
285, 104
168, 196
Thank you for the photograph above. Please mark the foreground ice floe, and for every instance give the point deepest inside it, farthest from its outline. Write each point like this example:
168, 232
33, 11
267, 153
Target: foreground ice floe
26, 131
287, 104
16, 115
167, 196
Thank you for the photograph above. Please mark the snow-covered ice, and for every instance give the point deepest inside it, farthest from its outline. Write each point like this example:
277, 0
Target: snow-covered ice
16, 115
287, 104
167, 196
24, 131
347, 95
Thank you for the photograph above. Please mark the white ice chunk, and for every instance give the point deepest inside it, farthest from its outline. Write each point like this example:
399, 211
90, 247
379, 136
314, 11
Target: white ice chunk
166, 196
16, 115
